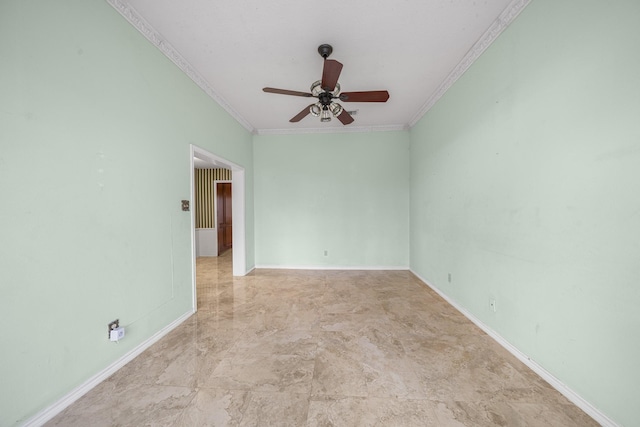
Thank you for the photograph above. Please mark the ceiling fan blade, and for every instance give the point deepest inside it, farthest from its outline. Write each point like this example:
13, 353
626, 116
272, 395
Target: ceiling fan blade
287, 92
330, 74
301, 115
345, 117
367, 96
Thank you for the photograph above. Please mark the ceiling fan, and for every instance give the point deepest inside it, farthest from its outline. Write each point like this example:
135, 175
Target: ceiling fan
327, 90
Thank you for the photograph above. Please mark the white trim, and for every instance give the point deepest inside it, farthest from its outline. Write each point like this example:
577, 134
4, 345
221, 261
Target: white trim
48, 413
192, 207
344, 129
206, 242
331, 267
238, 217
567, 392
238, 213
140, 24
508, 15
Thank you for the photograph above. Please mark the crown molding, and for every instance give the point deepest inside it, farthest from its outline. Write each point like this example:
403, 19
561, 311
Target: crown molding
346, 129
134, 18
497, 27
507, 16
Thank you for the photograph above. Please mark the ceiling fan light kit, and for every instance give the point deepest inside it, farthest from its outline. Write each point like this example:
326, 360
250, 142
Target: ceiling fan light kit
328, 89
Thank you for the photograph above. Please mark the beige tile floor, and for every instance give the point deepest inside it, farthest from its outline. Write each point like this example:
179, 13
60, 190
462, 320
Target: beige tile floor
322, 348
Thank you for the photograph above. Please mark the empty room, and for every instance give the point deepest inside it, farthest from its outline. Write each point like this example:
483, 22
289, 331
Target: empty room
433, 213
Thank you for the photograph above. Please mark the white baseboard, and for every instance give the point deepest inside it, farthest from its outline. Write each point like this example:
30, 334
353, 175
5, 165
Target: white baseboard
574, 397
331, 267
48, 413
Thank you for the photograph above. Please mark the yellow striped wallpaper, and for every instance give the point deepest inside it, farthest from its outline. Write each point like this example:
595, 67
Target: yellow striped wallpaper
205, 215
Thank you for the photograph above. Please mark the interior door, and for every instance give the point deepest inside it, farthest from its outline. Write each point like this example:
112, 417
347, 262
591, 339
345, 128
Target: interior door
223, 215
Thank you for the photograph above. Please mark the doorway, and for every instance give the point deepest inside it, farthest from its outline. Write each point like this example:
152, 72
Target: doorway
224, 216
238, 231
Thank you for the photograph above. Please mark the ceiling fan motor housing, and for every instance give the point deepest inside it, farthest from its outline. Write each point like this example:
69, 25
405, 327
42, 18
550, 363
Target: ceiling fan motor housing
326, 90
325, 98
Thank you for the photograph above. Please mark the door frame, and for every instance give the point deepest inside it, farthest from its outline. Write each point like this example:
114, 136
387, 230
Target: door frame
215, 205
239, 257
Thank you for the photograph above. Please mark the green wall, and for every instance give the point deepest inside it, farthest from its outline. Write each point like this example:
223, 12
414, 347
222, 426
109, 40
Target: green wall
95, 127
525, 186
346, 193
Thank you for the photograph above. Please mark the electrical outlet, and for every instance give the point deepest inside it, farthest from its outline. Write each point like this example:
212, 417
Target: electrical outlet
449, 278
117, 334
111, 326
492, 304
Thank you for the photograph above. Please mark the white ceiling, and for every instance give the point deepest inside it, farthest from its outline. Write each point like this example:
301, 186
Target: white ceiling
415, 49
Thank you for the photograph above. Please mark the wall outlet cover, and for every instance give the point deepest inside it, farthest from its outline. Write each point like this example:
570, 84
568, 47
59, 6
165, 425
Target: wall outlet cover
117, 334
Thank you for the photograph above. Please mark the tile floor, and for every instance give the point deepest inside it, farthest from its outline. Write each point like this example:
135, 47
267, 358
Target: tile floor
322, 348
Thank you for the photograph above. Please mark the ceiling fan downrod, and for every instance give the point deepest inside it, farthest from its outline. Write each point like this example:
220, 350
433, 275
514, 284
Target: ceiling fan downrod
326, 90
